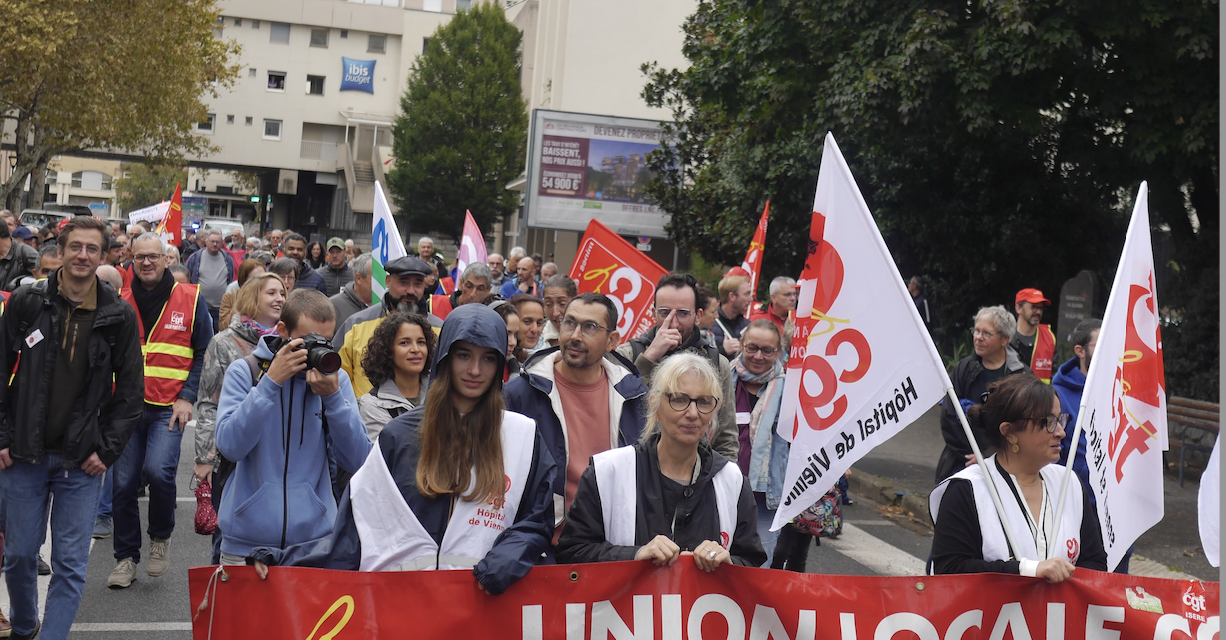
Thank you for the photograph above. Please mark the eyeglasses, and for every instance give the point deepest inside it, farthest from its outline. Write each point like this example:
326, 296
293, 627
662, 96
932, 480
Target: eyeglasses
753, 350
589, 328
681, 314
681, 402
1049, 422
148, 257
987, 335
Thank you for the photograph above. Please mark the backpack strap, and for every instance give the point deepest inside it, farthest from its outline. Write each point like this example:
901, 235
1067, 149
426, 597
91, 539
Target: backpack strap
257, 366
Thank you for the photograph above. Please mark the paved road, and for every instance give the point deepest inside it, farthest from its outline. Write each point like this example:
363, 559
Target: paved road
874, 542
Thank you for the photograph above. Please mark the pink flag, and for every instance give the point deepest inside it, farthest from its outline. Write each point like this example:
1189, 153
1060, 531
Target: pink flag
1123, 407
472, 245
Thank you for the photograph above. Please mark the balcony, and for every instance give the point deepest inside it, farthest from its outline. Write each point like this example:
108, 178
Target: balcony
318, 150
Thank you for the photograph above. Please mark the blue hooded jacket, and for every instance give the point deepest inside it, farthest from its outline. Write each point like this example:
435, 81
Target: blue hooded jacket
1069, 382
280, 492
518, 548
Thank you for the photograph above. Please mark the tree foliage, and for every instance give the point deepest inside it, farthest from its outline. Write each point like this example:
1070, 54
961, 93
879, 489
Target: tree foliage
145, 185
120, 75
463, 125
998, 143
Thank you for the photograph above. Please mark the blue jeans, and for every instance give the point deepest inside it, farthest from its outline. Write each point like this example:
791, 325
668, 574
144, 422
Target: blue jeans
154, 452
215, 314
104, 498
766, 517
29, 490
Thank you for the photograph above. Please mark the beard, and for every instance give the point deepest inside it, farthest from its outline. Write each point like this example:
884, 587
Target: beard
406, 303
575, 363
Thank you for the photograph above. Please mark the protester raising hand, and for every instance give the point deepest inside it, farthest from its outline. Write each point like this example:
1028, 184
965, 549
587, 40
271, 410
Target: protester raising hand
667, 338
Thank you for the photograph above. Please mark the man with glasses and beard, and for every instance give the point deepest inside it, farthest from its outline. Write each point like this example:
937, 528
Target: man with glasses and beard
678, 308
406, 282
601, 395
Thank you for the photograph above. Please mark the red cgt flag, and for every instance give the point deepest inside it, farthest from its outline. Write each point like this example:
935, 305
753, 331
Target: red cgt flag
171, 226
605, 263
753, 257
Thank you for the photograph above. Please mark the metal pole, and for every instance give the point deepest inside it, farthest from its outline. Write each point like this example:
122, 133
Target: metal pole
983, 466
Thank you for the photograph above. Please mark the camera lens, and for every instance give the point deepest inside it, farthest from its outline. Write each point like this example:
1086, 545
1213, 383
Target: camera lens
324, 360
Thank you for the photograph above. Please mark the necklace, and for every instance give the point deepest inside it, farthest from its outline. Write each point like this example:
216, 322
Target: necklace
1036, 481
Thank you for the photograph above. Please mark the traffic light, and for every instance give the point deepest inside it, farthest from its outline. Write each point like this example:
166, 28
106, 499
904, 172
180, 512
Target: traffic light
254, 199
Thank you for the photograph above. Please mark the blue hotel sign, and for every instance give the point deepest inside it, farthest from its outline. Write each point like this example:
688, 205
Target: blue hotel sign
357, 75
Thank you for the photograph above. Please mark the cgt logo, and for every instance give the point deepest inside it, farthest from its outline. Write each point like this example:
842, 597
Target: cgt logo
176, 317
630, 292
823, 276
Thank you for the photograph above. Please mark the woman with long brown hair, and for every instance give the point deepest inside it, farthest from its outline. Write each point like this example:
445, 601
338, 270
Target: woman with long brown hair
459, 483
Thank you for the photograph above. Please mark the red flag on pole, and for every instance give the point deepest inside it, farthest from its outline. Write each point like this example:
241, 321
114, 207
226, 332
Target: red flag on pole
472, 245
606, 263
171, 226
753, 257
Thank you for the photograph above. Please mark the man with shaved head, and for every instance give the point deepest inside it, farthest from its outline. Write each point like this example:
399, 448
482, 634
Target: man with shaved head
525, 280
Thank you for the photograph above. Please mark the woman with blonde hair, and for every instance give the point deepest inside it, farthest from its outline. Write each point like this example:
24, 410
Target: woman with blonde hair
419, 501
670, 495
257, 310
246, 269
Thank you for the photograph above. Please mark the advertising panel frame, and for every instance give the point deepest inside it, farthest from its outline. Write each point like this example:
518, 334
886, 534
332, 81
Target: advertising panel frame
625, 217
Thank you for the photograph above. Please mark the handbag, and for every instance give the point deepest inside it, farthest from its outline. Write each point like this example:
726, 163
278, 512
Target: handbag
824, 518
206, 516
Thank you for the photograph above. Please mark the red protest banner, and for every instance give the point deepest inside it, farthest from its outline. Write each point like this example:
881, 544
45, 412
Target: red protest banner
753, 257
605, 263
639, 600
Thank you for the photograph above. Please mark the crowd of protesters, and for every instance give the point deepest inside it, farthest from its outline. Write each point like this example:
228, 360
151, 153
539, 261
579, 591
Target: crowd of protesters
497, 389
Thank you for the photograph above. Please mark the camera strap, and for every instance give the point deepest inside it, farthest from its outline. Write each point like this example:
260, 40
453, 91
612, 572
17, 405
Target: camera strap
258, 367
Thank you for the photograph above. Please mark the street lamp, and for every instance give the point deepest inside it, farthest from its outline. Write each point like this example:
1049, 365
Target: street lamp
13, 160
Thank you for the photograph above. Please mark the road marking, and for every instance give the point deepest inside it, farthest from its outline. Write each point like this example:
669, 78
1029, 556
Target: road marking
868, 523
178, 499
131, 626
876, 554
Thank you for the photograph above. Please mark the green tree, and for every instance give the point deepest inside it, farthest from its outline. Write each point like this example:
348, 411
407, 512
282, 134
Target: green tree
999, 144
145, 185
116, 75
463, 125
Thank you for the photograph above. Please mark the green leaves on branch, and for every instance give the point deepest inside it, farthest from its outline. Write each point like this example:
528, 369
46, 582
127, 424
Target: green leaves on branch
998, 143
463, 126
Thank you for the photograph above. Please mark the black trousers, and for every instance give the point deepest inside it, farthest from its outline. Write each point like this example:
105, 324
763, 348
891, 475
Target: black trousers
792, 549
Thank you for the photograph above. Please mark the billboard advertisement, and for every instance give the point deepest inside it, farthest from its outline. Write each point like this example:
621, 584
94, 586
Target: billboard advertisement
357, 75
584, 167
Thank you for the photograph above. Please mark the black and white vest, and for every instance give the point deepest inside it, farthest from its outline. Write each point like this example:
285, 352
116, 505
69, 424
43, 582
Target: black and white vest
393, 539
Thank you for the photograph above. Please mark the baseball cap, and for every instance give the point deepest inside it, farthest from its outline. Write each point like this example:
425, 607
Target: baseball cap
335, 242
737, 272
23, 233
408, 265
1033, 296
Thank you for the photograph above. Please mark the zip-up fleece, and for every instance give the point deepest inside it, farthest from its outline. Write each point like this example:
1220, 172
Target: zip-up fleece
280, 492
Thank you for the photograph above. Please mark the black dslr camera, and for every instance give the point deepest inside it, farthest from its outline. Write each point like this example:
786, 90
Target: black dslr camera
320, 354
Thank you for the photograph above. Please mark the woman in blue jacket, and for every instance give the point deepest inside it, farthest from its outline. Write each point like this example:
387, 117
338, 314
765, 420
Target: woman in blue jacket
459, 483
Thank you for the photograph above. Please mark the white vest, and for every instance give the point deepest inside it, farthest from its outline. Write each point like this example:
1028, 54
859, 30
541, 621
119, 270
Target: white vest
1067, 536
617, 481
393, 538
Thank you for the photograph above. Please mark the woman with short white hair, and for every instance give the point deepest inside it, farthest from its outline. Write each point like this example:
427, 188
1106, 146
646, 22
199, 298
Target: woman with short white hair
670, 495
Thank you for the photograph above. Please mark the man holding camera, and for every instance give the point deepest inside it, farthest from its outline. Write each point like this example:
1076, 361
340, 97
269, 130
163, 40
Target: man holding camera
280, 410
175, 330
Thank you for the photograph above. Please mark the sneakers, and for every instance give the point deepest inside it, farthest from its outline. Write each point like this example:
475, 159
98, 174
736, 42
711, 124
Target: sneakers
102, 528
6, 629
44, 569
159, 558
124, 574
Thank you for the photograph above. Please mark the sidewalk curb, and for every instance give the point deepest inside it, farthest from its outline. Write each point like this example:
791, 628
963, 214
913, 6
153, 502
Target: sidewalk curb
885, 491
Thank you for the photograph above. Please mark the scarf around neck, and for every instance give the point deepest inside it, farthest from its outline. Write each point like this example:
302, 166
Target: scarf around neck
259, 329
747, 376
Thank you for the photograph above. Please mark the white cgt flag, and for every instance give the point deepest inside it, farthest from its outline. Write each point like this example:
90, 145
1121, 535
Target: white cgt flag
472, 246
385, 245
1124, 402
862, 366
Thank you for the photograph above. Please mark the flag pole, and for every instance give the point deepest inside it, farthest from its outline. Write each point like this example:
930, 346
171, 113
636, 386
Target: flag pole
901, 288
983, 466
1068, 470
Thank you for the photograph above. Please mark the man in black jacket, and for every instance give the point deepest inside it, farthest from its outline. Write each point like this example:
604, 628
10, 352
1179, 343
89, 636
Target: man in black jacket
78, 344
993, 360
16, 260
